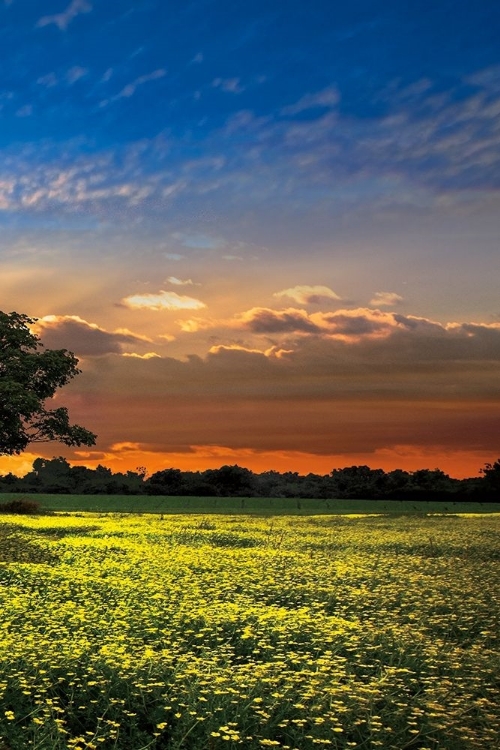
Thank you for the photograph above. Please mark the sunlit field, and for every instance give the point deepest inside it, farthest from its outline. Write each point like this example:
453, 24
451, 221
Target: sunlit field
208, 632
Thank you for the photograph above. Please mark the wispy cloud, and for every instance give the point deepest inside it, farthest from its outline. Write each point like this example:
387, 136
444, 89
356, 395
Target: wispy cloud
147, 355
425, 154
62, 20
199, 241
180, 282
162, 301
75, 73
25, 111
307, 295
130, 89
328, 98
229, 85
386, 299
49, 80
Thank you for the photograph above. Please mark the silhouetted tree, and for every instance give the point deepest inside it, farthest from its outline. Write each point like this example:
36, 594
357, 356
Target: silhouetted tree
357, 482
231, 481
28, 377
166, 482
53, 475
491, 480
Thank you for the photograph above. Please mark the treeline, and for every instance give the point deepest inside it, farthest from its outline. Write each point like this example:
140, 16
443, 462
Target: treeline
356, 482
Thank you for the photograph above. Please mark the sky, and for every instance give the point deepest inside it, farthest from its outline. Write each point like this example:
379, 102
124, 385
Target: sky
268, 230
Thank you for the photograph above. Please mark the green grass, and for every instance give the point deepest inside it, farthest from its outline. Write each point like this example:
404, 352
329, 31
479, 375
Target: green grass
247, 505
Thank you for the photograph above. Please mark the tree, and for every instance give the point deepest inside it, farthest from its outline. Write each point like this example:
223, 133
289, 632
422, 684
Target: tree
30, 375
231, 481
491, 473
165, 482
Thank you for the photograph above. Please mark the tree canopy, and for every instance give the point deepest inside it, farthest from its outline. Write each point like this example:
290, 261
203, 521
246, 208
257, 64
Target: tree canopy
29, 376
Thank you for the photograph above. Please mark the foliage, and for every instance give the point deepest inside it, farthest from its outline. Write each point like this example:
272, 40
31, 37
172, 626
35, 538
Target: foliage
353, 482
23, 505
29, 376
181, 634
491, 474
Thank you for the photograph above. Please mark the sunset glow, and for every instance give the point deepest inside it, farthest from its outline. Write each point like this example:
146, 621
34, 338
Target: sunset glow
269, 232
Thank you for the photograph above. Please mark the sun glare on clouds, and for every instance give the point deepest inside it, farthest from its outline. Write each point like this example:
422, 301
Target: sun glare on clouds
306, 295
162, 301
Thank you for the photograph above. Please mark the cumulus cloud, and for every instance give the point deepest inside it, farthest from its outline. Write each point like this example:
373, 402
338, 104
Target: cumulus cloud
84, 338
342, 324
62, 20
354, 328
162, 301
265, 320
306, 295
423, 383
386, 299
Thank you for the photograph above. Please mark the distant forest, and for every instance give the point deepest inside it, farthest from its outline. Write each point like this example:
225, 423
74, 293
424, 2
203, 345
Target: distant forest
356, 482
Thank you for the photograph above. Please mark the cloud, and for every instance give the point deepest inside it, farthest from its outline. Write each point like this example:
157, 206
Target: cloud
423, 383
264, 320
62, 20
85, 339
75, 73
130, 89
180, 282
357, 329
229, 85
199, 241
48, 80
386, 299
162, 301
422, 155
272, 351
25, 111
147, 355
306, 295
347, 325
328, 98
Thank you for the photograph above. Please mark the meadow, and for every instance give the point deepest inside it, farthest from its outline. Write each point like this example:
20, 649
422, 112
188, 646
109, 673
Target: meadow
269, 506
213, 632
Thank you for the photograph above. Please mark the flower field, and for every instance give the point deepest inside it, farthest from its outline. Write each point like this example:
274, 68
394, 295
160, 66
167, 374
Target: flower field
208, 633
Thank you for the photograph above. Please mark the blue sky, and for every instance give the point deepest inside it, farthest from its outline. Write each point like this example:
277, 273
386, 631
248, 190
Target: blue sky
233, 161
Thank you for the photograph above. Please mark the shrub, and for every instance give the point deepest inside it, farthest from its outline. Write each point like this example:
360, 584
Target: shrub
20, 505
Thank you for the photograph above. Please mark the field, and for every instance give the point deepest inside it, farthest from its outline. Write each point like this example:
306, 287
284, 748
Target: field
216, 632
236, 505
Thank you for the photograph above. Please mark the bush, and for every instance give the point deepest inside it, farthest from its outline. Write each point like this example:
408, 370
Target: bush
20, 505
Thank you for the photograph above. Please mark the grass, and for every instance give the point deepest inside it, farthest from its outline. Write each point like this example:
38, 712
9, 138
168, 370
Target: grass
217, 632
249, 505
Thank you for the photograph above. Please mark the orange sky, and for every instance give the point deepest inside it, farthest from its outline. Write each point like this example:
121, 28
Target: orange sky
271, 236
